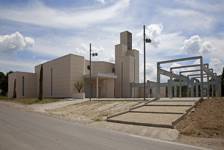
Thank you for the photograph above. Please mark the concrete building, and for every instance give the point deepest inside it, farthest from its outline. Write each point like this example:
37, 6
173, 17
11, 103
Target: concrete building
60, 75
126, 66
119, 79
22, 85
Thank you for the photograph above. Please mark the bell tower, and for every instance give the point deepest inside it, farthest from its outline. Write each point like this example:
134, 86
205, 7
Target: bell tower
126, 66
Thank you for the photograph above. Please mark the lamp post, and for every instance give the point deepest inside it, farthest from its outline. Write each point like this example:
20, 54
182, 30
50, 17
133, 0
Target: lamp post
90, 68
145, 40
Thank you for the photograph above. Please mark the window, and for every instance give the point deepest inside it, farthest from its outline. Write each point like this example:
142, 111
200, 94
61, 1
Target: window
88, 67
166, 91
150, 91
113, 70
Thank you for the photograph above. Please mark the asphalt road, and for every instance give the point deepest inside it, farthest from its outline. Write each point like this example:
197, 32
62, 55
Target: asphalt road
21, 130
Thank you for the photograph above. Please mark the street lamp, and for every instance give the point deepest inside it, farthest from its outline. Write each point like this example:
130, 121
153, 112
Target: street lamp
90, 68
145, 40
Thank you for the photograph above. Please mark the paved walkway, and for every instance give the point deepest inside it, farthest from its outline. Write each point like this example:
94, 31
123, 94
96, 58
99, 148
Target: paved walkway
160, 113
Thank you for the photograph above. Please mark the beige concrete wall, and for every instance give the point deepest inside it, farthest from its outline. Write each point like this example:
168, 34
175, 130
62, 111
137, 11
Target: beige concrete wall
61, 74
136, 65
126, 39
29, 85
119, 65
77, 68
110, 88
99, 67
60, 81
11, 79
128, 75
154, 91
107, 88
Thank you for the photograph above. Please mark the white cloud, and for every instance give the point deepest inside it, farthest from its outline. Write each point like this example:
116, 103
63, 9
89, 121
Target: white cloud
203, 6
170, 44
175, 44
151, 71
15, 41
218, 44
216, 55
188, 19
210, 48
101, 1
153, 31
165, 46
193, 44
217, 64
196, 45
165, 43
175, 65
206, 47
79, 45
42, 15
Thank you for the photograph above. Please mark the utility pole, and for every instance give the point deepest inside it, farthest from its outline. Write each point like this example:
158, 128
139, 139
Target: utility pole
144, 56
90, 68
90, 71
145, 40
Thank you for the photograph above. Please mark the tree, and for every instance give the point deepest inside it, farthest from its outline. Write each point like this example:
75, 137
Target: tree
41, 83
14, 89
4, 83
2, 79
79, 86
222, 82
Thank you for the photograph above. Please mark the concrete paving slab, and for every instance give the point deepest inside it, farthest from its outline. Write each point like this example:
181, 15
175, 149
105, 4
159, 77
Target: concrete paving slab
181, 98
120, 99
164, 109
171, 103
177, 101
159, 113
163, 120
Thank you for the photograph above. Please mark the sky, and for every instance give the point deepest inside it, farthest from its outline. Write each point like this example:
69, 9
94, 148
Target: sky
36, 31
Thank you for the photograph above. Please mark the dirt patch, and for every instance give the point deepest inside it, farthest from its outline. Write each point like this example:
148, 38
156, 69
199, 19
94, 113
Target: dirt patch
93, 111
207, 120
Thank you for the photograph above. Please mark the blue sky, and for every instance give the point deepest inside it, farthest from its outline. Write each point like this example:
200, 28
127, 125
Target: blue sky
45, 29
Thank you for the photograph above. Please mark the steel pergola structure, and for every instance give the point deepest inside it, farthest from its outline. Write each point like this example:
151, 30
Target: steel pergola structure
197, 80
191, 82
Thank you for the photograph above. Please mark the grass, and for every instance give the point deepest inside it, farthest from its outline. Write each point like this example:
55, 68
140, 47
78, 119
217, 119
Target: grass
97, 119
28, 101
3, 97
